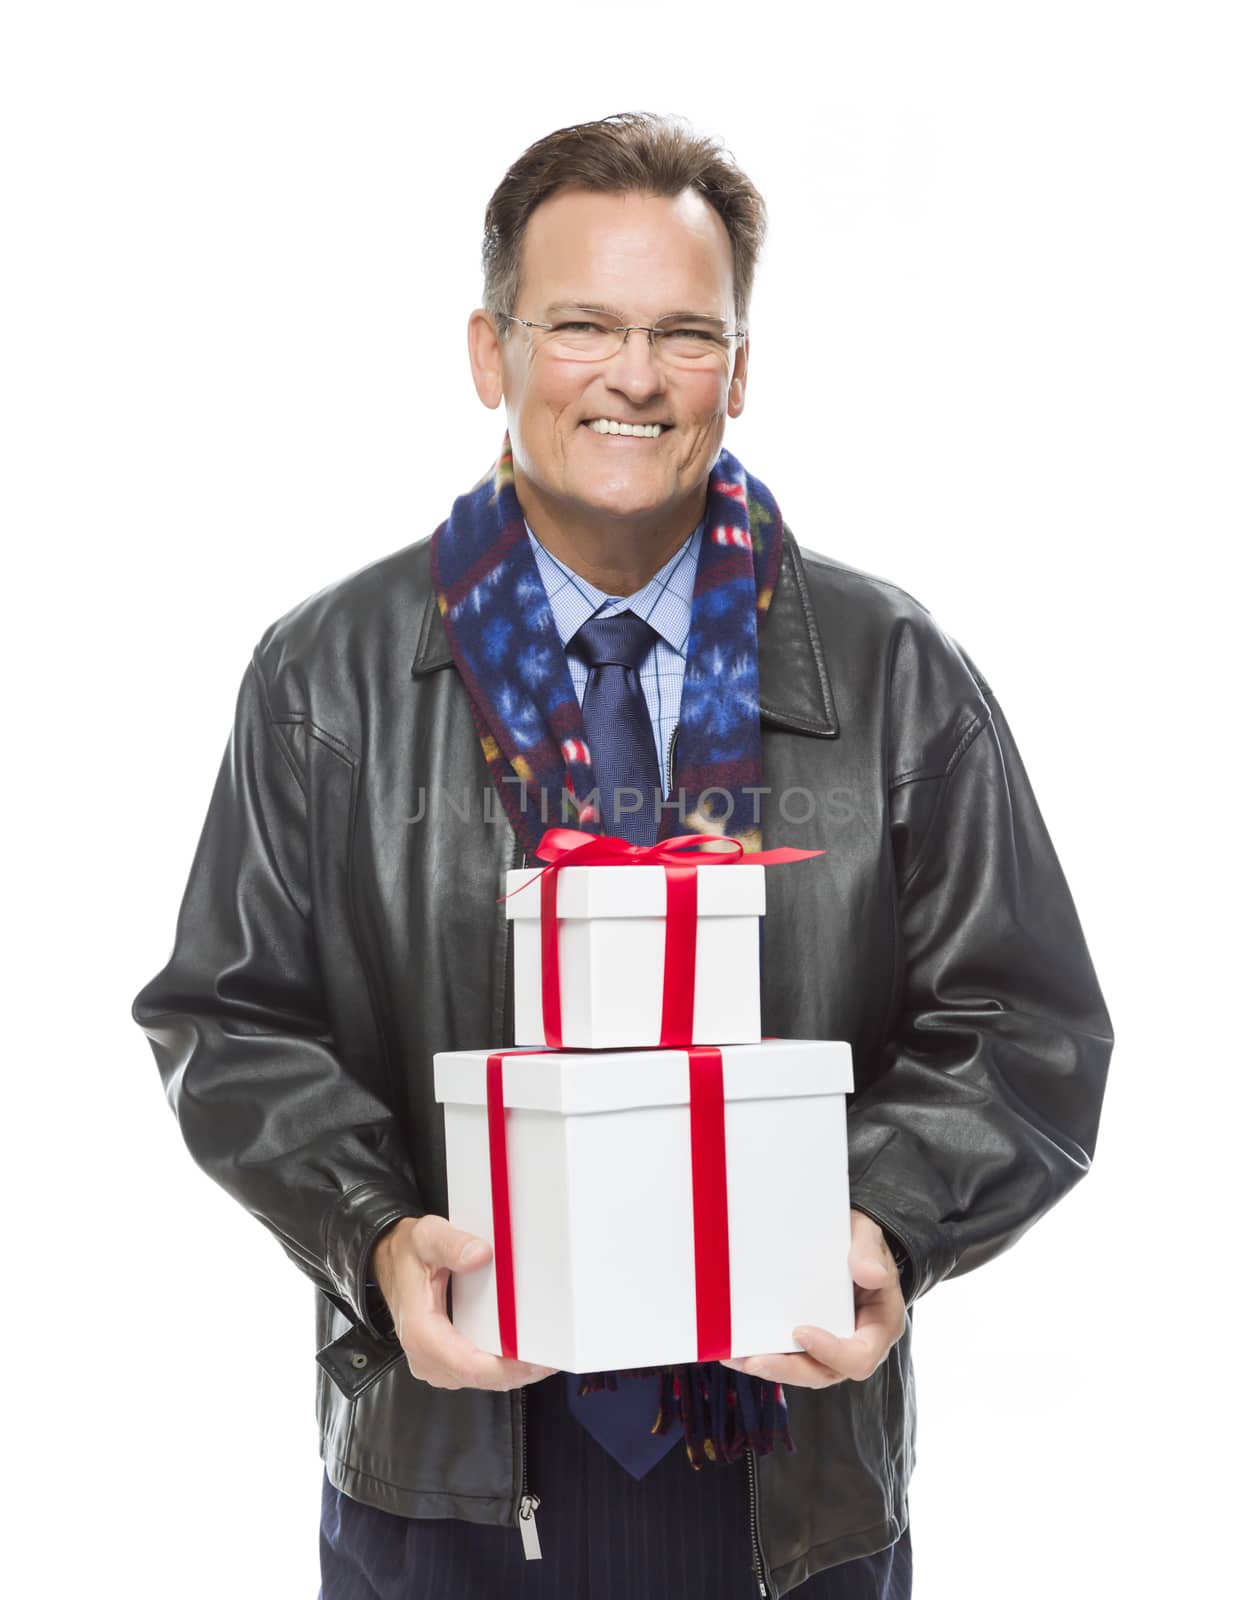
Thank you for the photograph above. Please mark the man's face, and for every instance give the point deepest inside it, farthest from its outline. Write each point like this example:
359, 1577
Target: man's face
642, 257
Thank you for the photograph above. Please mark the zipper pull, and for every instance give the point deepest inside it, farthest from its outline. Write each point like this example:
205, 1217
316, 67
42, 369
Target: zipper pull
527, 1528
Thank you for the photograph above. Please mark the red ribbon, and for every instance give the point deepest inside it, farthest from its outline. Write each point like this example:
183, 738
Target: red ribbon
713, 1295
681, 857
709, 1183
502, 1220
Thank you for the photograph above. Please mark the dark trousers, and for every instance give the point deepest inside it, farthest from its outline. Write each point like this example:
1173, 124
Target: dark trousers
673, 1535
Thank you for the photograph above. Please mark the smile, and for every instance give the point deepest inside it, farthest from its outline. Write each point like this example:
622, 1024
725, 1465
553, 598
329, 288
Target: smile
606, 428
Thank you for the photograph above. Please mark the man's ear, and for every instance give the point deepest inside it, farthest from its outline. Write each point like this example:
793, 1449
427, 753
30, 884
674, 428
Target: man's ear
737, 384
486, 358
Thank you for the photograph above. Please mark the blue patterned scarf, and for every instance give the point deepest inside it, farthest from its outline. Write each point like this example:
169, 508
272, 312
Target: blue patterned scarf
510, 657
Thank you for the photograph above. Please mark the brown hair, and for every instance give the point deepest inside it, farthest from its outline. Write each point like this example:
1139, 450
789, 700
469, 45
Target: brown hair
636, 152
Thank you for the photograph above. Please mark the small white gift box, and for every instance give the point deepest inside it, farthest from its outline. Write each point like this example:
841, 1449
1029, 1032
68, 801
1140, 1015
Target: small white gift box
647, 1208
621, 984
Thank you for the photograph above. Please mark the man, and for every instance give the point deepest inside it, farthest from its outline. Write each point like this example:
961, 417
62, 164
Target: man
614, 628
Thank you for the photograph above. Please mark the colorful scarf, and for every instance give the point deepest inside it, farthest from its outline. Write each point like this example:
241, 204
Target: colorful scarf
511, 660
506, 648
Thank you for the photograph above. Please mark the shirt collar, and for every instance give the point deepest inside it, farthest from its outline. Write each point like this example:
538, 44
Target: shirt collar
664, 601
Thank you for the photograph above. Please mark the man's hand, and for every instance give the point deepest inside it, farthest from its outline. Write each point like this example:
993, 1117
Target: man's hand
879, 1319
411, 1263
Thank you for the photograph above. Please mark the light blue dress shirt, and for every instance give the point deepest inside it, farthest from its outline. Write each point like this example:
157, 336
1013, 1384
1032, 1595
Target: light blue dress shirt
664, 602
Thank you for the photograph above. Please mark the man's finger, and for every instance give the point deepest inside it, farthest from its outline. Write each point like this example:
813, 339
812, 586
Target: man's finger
803, 1371
439, 1244
496, 1372
879, 1269
856, 1357
451, 1355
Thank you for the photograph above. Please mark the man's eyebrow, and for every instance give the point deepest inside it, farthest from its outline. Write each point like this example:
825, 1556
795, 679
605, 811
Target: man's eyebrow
611, 311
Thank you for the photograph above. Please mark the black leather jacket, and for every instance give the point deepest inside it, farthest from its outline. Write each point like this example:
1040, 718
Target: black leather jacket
340, 925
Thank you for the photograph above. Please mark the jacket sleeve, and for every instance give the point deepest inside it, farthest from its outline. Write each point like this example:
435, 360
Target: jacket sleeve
267, 1105
987, 1111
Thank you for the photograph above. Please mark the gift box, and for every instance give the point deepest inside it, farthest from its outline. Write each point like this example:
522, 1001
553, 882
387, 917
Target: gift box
652, 1207
639, 956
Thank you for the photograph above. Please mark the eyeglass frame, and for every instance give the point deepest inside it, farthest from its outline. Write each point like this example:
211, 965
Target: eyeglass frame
626, 328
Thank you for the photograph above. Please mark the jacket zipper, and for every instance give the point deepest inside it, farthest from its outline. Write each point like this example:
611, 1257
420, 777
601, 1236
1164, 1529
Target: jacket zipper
668, 759
760, 1569
527, 1502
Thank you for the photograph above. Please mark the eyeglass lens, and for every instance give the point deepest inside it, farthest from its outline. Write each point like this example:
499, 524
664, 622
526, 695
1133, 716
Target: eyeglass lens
580, 335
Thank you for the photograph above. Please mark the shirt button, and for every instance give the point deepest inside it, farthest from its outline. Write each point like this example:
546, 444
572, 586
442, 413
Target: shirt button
359, 1360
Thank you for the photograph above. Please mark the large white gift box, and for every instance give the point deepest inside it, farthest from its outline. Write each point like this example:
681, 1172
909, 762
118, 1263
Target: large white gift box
652, 1207
618, 988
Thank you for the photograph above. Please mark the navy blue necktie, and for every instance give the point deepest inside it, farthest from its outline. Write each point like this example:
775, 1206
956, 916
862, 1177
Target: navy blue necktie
623, 756
618, 727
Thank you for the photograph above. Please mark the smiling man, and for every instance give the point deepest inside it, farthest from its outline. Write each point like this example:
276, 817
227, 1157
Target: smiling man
615, 629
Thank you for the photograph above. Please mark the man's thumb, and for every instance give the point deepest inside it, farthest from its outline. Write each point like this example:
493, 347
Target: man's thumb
441, 1245
472, 1253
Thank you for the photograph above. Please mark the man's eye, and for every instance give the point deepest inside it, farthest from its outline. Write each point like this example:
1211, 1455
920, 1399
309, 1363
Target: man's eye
588, 327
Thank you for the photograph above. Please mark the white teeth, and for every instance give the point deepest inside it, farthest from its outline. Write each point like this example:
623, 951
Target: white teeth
646, 430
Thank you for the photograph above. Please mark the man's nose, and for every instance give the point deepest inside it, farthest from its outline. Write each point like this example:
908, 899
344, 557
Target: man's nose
635, 369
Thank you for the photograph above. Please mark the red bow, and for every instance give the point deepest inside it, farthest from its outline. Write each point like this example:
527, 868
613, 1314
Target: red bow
571, 847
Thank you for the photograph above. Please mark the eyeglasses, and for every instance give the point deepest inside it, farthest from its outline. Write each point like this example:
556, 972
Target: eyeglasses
680, 341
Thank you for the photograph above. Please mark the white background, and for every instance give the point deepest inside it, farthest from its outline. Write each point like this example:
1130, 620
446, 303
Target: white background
995, 359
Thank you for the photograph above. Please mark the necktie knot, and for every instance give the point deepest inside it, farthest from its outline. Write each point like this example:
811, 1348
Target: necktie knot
620, 641
624, 760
